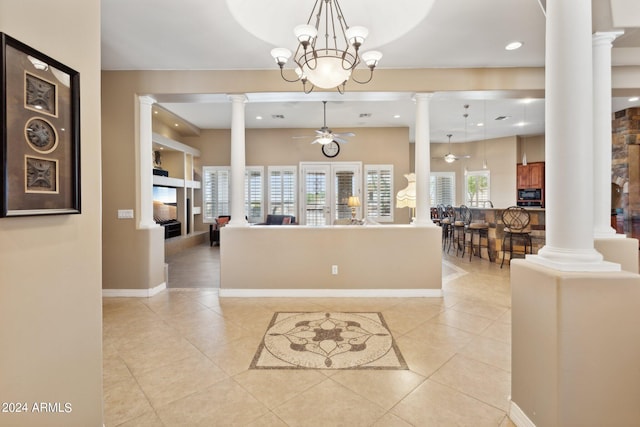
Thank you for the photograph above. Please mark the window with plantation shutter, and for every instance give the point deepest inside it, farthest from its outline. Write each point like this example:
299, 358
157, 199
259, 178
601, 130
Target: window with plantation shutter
379, 192
442, 188
477, 188
345, 186
282, 190
253, 194
215, 192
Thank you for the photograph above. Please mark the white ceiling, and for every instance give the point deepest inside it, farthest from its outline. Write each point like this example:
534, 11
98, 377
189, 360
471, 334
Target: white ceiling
203, 34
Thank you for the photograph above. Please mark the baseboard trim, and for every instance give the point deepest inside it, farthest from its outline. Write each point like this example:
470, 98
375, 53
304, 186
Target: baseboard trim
134, 293
329, 293
518, 417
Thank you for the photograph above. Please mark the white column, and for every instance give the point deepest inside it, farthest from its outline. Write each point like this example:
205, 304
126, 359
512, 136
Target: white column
602, 44
423, 160
144, 161
237, 160
569, 141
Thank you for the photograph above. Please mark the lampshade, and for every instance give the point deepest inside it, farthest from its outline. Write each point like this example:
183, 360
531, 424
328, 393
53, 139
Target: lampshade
281, 55
371, 57
353, 202
328, 72
305, 33
406, 198
356, 35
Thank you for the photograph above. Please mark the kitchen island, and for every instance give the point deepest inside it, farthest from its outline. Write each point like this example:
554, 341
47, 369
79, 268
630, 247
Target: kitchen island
493, 217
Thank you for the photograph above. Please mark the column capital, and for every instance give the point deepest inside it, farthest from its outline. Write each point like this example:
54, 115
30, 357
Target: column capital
601, 38
238, 97
146, 99
422, 95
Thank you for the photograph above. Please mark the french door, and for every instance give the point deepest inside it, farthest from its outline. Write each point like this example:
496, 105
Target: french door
325, 189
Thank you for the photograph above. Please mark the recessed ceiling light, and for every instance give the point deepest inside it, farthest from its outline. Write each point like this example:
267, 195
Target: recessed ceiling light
634, 99
176, 125
513, 46
480, 124
155, 112
521, 124
396, 116
258, 117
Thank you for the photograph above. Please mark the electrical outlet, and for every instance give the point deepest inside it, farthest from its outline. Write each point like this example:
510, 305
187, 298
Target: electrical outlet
334, 269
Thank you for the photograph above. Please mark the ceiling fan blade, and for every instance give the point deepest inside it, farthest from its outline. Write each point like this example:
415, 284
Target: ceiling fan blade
316, 141
340, 140
345, 134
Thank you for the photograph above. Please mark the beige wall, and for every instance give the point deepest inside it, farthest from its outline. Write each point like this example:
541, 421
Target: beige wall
406, 260
575, 346
50, 266
276, 147
532, 145
501, 163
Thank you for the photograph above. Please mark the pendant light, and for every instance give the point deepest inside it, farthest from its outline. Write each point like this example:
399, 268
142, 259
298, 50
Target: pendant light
484, 135
524, 122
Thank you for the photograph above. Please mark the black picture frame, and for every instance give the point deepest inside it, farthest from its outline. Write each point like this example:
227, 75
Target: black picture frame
40, 146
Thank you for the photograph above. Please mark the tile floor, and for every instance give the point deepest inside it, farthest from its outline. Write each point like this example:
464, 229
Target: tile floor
181, 358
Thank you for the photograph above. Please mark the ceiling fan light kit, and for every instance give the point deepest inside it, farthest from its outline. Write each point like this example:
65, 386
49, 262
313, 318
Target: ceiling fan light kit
325, 136
327, 64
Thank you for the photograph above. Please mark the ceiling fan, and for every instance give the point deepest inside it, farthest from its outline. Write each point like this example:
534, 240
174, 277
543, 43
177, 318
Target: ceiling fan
324, 135
450, 157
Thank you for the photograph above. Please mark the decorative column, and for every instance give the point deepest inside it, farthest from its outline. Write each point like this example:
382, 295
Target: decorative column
602, 44
237, 160
144, 162
569, 143
423, 160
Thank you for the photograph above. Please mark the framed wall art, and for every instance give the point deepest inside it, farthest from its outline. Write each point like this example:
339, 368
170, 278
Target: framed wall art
40, 151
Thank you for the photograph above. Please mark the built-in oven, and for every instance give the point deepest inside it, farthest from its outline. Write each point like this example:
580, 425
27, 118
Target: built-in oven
530, 197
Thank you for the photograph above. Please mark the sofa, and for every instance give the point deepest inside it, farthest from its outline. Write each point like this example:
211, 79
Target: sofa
273, 219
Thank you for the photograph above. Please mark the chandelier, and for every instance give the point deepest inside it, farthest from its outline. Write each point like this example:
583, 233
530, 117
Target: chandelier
328, 50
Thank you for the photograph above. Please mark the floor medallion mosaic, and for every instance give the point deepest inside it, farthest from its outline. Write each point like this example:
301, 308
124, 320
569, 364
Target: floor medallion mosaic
328, 340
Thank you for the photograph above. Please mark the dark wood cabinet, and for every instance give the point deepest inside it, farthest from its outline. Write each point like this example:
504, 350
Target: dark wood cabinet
530, 176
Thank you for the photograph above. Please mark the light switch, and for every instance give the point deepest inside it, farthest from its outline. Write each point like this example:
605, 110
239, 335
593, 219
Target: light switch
125, 213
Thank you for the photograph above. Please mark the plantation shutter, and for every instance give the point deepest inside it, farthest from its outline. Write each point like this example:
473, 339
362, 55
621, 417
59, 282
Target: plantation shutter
379, 192
253, 194
282, 190
215, 192
442, 186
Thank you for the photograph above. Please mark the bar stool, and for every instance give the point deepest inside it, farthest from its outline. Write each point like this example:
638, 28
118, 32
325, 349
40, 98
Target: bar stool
516, 220
446, 222
481, 229
459, 226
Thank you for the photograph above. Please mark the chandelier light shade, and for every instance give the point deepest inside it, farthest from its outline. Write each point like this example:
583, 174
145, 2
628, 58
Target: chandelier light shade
328, 50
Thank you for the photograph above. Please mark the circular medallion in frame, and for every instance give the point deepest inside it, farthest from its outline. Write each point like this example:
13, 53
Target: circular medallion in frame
41, 135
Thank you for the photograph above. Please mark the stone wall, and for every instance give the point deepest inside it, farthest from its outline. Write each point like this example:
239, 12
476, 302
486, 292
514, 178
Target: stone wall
625, 165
